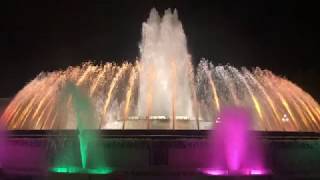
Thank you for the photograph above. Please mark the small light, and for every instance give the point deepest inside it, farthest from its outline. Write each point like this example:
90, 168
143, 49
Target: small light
256, 172
214, 172
285, 118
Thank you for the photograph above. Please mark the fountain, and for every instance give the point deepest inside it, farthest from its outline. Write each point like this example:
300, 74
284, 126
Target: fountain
233, 149
163, 91
165, 60
91, 150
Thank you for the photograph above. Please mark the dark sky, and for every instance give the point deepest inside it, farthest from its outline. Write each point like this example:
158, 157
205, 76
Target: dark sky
48, 35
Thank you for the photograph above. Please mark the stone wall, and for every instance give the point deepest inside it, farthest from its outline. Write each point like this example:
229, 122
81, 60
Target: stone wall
297, 156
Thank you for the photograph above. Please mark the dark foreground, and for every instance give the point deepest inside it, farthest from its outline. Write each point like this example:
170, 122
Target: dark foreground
151, 154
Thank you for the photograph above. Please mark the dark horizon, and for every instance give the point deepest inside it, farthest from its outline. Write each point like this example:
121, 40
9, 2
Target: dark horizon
46, 36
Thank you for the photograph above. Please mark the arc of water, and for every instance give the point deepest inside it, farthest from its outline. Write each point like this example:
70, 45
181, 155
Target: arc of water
213, 88
24, 114
48, 95
25, 106
304, 100
299, 106
11, 113
298, 109
54, 119
133, 76
15, 106
223, 74
45, 108
48, 109
249, 90
283, 101
85, 75
100, 76
270, 102
113, 85
267, 81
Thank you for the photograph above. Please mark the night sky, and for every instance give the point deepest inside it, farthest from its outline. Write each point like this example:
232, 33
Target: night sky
40, 36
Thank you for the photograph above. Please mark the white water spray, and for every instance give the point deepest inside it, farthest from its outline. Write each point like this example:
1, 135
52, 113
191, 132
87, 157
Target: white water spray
164, 62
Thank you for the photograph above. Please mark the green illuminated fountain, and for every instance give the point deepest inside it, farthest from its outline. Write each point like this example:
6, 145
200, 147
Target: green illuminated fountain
89, 145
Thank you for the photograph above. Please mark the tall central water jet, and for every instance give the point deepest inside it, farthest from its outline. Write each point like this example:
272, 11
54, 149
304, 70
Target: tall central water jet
165, 63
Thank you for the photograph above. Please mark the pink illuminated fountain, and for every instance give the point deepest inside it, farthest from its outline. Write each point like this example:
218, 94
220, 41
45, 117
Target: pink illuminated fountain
233, 149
